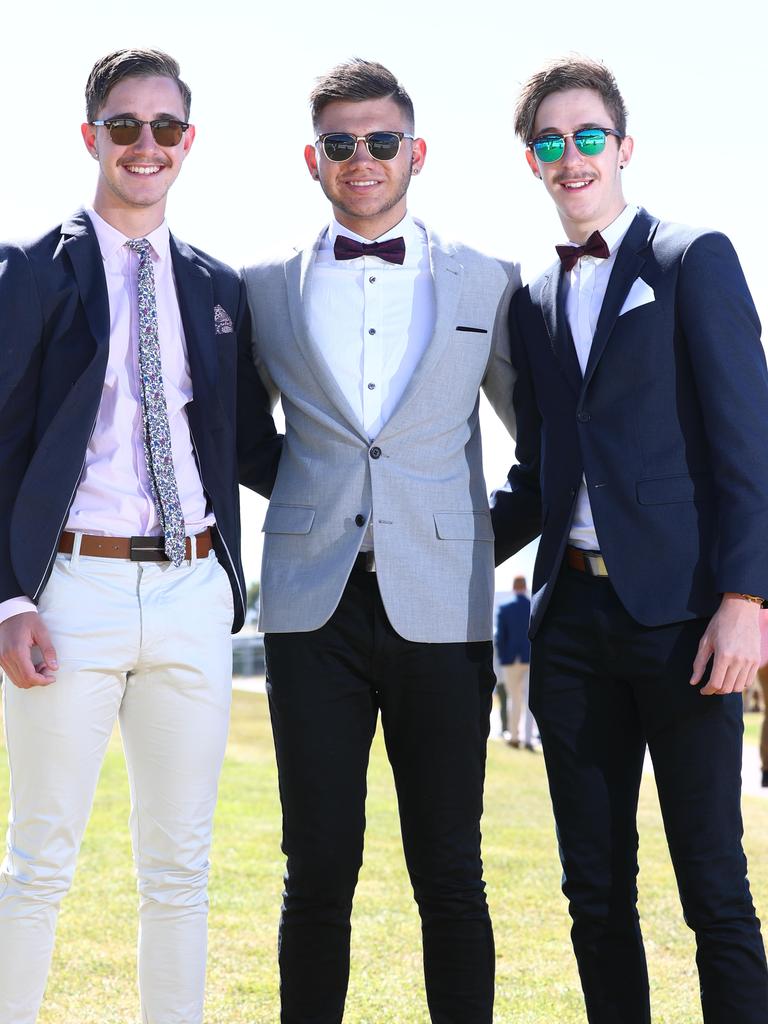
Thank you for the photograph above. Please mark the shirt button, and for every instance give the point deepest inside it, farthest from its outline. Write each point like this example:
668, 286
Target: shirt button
359, 520
371, 387
375, 452
372, 280
371, 330
583, 417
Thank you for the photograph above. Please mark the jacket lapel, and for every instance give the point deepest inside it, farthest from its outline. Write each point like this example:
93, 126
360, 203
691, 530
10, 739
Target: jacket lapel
447, 274
196, 303
80, 244
629, 262
553, 310
298, 270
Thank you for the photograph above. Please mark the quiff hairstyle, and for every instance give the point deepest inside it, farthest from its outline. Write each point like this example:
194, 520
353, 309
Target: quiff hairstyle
571, 72
356, 80
113, 68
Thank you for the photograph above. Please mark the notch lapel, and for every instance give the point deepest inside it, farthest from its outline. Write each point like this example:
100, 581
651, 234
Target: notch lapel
195, 292
298, 271
80, 244
629, 262
553, 310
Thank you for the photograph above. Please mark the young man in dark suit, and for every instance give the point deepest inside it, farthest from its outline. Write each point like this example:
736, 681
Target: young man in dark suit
642, 418
120, 576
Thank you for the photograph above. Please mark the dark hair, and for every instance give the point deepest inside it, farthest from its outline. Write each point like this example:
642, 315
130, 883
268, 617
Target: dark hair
571, 72
113, 68
356, 80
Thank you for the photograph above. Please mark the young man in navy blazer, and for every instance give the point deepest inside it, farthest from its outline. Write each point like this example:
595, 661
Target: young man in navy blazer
120, 576
642, 418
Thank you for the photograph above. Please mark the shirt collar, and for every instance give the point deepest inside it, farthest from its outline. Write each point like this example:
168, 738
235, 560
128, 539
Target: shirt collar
111, 241
614, 233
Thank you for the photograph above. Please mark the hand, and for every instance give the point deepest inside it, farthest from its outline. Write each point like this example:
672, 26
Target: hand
18, 635
732, 640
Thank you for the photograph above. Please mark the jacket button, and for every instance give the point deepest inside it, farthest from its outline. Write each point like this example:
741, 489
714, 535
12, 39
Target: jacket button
359, 520
583, 417
375, 452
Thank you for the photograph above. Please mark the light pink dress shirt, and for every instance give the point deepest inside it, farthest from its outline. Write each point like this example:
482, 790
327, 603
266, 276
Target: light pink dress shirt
113, 497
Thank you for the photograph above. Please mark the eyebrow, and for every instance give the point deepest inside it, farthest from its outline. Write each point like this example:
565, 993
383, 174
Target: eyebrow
581, 127
135, 117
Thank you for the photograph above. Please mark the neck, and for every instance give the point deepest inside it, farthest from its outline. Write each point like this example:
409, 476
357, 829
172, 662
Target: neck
134, 222
370, 227
579, 231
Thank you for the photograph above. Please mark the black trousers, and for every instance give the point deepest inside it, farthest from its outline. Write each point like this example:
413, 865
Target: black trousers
325, 690
602, 686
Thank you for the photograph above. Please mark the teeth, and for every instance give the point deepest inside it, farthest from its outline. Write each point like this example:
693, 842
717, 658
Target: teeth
360, 184
142, 168
575, 184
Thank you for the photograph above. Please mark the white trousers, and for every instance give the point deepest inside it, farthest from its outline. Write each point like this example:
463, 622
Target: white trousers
146, 644
516, 682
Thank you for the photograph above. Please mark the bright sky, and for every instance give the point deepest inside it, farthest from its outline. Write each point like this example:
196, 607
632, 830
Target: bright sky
692, 74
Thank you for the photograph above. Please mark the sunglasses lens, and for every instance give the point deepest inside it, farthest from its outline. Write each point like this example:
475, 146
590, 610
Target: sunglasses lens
124, 132
383, 145
549, 148
339, 147
590, 141
167, 133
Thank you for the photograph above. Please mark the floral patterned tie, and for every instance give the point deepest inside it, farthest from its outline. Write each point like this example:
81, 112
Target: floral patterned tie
157, 431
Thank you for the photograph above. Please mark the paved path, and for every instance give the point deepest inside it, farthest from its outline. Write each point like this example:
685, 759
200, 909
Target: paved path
750, 775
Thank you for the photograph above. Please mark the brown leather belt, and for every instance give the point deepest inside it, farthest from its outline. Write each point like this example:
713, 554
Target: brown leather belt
590, 562
133, 549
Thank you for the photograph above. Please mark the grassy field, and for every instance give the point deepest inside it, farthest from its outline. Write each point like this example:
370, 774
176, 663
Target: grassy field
92, 980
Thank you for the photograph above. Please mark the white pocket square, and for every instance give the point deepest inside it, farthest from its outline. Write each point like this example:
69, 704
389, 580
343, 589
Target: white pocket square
222, 320
639, 294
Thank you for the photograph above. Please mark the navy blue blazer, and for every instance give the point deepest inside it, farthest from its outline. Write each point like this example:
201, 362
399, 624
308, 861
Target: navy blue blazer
512, 621
54, 326
669, 424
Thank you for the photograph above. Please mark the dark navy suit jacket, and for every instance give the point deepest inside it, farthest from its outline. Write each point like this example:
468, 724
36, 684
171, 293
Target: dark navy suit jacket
669, 424
512, 621
54, 326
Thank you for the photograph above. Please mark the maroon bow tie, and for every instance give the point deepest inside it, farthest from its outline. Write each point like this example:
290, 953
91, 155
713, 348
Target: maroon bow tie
595, 245
392, 250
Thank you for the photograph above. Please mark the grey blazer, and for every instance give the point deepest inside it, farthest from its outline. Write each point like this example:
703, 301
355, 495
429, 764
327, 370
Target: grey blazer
419, 482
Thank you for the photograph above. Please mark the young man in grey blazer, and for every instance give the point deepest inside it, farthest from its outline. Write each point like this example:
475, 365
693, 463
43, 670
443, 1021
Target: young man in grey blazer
377, 576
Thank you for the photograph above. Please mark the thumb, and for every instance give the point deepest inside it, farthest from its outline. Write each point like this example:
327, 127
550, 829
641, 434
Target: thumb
42, 638
700, 662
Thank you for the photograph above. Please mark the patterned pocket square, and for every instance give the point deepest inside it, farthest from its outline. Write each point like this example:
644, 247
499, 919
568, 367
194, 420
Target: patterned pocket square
222, 320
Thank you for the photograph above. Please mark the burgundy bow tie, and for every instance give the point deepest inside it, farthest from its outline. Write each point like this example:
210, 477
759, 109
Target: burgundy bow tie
595, 245
392, 249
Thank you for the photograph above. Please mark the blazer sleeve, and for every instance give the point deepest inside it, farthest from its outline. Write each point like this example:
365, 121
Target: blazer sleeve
516, 507
21, 333
500, 374
722, 333
258, 444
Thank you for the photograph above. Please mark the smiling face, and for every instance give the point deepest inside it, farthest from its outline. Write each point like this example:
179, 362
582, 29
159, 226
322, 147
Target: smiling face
587, 190
368, 196
134, 180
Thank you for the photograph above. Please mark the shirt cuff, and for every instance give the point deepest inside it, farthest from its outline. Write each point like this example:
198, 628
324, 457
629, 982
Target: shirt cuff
15, 606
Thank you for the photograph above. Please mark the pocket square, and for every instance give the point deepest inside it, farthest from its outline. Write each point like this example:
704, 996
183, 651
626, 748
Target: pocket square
639, 294
222, 320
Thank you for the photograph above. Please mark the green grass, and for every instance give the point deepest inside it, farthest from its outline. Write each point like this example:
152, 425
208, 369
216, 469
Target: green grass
92, 979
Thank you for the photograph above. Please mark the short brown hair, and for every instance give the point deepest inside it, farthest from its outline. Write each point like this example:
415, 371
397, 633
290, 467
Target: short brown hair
571, 72
110, 70
357, 80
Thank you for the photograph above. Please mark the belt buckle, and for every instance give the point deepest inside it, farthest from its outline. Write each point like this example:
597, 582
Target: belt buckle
370, 561
147, 549
595, 564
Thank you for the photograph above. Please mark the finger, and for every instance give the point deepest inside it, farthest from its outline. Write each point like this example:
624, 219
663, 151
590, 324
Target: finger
716, 678
42, 638
24, 674
700, 662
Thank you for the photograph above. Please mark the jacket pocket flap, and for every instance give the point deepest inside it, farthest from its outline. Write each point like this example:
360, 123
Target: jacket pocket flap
288, 519
464, 525
673, 488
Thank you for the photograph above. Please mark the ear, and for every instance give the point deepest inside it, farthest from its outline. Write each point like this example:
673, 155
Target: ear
418, 155
89, 138
187, 139
310, 156
625, 150
532, 163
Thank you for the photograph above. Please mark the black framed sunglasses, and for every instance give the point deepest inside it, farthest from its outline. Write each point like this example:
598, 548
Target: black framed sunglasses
341, 146
550, 147
124, 131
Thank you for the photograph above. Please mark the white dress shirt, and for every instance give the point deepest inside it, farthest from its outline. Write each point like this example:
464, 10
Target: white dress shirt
585, 288
372, 320
113, 497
